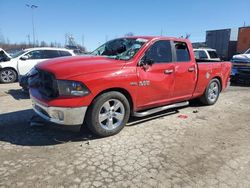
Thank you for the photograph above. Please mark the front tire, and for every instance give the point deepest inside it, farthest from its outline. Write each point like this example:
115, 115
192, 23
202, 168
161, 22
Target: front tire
8, 75
108, 114
211, 93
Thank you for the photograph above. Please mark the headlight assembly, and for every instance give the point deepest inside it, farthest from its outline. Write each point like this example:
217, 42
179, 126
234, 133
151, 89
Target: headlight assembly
72, 88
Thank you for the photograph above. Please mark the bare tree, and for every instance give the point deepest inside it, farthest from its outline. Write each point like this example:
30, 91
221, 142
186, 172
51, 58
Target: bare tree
129, 34
43, 44
187, 36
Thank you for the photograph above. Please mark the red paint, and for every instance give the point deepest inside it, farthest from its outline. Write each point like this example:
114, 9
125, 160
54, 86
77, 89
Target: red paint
100, 74
182, 116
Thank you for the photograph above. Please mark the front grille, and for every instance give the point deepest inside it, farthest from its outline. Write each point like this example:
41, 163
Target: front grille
47, 84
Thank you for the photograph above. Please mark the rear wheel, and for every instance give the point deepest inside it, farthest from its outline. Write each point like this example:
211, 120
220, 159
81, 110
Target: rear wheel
108, 114
8, 75
212, 92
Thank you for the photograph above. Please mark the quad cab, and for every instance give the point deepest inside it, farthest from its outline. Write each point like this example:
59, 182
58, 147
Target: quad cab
130, 76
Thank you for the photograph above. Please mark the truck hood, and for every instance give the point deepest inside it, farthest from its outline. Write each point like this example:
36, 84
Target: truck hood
241, 57
67, 67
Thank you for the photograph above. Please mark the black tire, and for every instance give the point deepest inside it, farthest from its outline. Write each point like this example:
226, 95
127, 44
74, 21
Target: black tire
8, 75
211, 96
99, 109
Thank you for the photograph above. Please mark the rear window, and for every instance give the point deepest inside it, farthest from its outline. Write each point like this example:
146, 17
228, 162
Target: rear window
212, 54
48, 54
200, 54
65, 53
182, 53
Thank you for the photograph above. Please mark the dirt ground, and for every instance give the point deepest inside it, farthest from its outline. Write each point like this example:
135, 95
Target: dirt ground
210, 148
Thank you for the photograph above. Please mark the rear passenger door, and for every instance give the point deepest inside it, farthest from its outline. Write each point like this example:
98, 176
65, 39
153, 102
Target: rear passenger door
185, 72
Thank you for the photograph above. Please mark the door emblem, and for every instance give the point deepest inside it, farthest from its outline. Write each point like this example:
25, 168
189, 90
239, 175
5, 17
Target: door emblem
144, 83
133, 83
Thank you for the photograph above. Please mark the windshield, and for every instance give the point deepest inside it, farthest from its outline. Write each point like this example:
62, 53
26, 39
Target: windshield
18, 53
124, 48
248, 51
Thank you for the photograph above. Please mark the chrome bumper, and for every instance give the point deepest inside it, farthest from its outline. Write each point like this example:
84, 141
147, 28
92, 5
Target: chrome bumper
60, 115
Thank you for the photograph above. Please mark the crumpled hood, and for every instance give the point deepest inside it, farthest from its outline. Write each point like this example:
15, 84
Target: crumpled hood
68, 67
242, 57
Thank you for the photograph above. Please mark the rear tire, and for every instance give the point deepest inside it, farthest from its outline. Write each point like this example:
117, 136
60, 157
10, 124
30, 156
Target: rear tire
211, 93
108, 114
8, 75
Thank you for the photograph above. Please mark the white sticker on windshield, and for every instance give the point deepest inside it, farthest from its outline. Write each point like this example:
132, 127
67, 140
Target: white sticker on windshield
142, 40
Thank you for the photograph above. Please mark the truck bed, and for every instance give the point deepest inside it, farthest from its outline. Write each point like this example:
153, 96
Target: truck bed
210, 69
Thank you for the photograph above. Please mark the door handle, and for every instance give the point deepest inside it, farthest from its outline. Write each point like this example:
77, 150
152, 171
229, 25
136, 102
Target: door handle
169, 71
191, 69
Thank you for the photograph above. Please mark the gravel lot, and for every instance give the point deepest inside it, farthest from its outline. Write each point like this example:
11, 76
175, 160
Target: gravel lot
210, 148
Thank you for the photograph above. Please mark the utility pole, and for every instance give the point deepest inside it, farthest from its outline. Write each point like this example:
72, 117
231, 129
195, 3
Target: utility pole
33, 24
28, 36
82, 40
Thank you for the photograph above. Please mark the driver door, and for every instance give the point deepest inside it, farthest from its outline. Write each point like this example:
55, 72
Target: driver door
156, 81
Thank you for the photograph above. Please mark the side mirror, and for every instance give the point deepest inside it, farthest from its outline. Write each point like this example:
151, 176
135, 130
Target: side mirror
146, 61
25, 57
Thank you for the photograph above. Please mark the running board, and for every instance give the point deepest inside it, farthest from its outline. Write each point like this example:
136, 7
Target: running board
159, 109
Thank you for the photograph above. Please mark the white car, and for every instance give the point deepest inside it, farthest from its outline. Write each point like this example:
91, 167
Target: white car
206, 54
23, 61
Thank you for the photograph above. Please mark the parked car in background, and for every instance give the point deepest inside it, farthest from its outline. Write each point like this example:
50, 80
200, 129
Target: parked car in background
4, 56
130, 76
206, 54
241, 67
23, 61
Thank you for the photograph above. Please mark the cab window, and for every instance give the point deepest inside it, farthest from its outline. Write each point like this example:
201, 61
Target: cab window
200, 54
160, 52
212, 54
182, 53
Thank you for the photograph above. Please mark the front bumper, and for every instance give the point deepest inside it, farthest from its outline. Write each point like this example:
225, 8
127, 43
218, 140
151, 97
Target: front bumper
240, 70
60, 115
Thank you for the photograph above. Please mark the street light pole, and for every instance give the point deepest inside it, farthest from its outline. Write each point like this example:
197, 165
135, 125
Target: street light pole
33, 25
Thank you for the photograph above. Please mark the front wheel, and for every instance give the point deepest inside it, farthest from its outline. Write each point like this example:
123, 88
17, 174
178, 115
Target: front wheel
212, 92
108, 114
8, 75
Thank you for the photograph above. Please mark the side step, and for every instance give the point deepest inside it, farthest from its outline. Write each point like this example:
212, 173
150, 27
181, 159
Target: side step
159, 109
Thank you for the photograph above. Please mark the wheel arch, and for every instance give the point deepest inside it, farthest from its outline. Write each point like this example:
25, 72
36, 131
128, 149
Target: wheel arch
220, 81
125, 92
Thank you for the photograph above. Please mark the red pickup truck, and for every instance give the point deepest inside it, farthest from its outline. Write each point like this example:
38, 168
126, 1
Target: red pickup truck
130, 76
